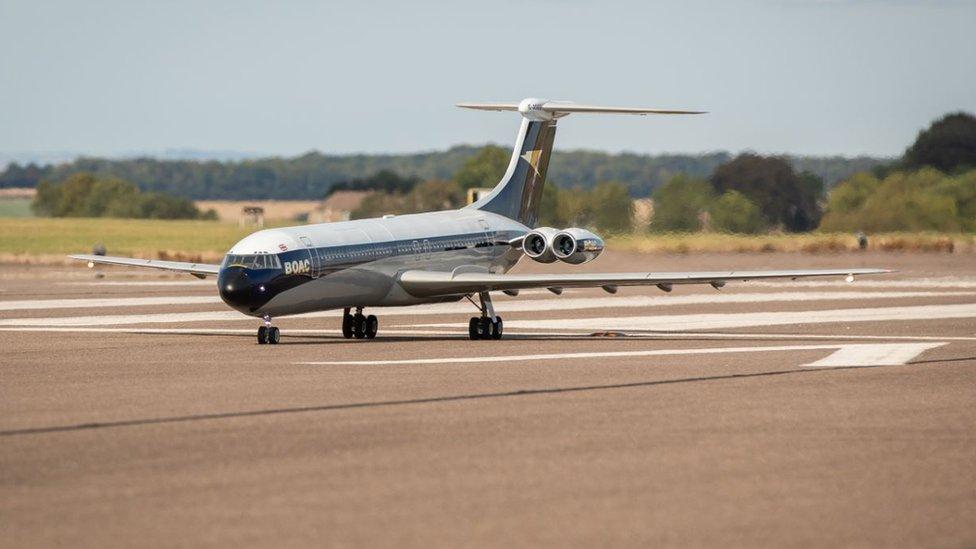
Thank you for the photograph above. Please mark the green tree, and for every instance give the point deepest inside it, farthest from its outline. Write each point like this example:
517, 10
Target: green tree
902, 201
962, 190
550, 213
612, 208
734, 213
783, 197
379, 204
679, 203
485, 169
948, 145
85, 195
434, 195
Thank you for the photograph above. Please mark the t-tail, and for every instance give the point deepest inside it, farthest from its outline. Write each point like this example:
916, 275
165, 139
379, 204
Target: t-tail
519, 193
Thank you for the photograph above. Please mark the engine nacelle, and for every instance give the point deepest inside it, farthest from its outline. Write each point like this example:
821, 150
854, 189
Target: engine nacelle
576, 246
538, 244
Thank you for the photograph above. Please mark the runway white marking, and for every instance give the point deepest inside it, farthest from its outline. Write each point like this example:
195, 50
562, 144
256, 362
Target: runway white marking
533, 305
846, 355
668, 323
385, 332
873, 355
34, 304
143, 283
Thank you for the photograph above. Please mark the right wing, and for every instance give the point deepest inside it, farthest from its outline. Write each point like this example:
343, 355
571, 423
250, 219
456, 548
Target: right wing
199, 270
437, 283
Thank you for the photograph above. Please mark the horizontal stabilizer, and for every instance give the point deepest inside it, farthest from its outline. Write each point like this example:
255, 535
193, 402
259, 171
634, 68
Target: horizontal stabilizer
556, 109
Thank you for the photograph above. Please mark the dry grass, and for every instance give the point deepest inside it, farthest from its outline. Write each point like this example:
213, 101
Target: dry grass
47, 240
30, 240
280, 210
815, 243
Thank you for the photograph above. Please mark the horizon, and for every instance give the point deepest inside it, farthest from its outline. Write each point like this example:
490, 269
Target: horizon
50, 158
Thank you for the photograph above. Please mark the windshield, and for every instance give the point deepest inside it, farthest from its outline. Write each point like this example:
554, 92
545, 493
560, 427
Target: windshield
252, 261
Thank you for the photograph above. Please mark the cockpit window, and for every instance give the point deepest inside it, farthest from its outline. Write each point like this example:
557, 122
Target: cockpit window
253, 261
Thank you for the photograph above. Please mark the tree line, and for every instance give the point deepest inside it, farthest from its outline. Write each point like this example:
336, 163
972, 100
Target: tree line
310, 176
88, 195
931, 187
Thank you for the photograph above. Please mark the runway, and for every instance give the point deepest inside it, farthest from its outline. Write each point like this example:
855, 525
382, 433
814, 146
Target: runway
136, 409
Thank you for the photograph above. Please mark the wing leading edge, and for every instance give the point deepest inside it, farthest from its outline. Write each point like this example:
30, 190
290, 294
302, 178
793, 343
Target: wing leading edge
199, 270
430, 283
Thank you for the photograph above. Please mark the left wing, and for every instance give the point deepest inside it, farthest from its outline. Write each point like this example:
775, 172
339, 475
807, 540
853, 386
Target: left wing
432, 283
199, 270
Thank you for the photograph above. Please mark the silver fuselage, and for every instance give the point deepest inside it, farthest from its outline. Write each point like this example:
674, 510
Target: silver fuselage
357, 263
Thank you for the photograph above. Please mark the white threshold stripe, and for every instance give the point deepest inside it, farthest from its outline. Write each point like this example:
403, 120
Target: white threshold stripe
854, 355
210, 282
286, 332
509, 305
84, 303
533, 305
669, 323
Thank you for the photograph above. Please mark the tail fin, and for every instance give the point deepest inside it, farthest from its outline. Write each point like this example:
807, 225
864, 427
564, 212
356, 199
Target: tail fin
519, 193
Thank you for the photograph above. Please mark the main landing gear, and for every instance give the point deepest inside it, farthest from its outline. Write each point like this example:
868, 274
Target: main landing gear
268, 334
358, 325
488, 325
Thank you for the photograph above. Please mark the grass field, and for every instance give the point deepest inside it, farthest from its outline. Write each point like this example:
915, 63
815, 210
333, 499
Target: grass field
15, 207
46, 239
24, 240
800, 243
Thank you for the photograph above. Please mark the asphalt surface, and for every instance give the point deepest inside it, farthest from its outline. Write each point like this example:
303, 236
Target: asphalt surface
782, 414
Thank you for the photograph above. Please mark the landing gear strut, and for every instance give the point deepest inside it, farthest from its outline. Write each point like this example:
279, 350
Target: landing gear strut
359, 326
488, 325
268, 334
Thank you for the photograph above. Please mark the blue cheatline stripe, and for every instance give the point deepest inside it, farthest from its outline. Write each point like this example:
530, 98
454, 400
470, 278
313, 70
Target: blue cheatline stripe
328, 259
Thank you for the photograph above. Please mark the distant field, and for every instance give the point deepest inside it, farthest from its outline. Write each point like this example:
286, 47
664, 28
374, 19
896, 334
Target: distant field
49, 240
282, 210
802, 243
15, 207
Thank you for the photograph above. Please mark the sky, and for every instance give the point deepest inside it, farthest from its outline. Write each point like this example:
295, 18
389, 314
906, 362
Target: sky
817, 77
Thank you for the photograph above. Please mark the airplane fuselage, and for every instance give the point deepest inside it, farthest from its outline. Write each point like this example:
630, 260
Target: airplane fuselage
325, 266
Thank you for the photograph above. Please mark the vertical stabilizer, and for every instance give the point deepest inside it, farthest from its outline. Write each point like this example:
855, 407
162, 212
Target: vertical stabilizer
519, 193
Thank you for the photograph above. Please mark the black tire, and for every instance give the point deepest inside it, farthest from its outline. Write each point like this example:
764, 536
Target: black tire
347, 325
359, 326
484, 328
473, 327
496, 328
372, 326
274, 335
262, 335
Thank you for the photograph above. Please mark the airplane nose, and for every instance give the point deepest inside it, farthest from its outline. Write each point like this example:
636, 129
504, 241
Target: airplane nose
234, 287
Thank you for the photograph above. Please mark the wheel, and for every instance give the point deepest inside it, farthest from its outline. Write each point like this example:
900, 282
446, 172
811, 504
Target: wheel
372, 326
473, 327
274, 335
262, 335
359, 326
496, 328
347, 325
484, 328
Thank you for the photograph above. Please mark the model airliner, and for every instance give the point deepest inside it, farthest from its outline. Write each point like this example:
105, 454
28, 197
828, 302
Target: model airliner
436, 256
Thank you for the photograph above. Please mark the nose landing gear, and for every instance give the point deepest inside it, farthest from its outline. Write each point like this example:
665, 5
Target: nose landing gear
268, 334
488, 325
359, 326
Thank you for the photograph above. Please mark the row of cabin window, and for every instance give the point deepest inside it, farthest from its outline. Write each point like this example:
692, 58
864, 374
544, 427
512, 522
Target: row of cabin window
404, 248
